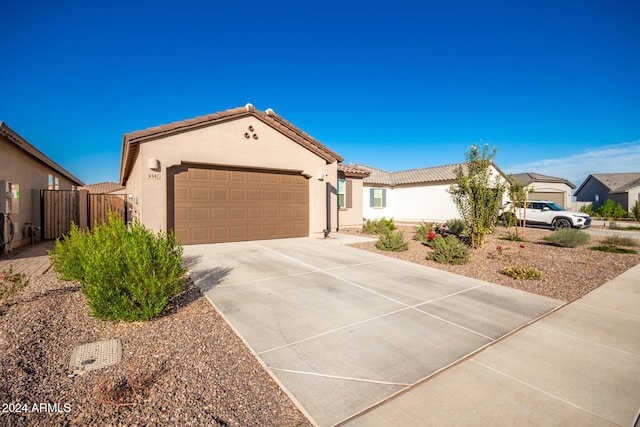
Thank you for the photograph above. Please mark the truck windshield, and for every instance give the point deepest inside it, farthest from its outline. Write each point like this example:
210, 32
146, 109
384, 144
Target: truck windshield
554, 207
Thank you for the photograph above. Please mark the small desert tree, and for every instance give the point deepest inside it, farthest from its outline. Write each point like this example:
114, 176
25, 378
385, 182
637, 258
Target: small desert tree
477, 193
518, 194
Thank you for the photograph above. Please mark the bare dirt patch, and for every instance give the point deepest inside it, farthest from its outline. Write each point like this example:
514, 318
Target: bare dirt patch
567, 273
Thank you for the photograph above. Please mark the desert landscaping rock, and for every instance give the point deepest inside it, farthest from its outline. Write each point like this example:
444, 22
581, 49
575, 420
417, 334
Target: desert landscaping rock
567, 273
185, 368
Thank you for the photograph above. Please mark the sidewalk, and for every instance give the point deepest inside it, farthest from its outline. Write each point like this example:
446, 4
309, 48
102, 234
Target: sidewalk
578, 366
29, 261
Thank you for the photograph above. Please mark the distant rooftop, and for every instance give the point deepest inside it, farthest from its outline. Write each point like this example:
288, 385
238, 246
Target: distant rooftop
529, 177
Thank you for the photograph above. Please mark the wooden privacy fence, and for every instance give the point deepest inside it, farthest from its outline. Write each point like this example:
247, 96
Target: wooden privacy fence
101, 204
61, 208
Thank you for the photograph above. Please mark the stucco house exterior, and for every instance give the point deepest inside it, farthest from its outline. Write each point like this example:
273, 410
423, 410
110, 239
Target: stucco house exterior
24, 171
623, 188
412, 195
240, 174
545, 187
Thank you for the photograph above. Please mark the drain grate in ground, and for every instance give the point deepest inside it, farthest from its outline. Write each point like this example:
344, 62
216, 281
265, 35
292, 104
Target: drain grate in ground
96, 355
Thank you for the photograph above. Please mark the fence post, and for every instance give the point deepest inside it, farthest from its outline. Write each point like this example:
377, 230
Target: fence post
83, 206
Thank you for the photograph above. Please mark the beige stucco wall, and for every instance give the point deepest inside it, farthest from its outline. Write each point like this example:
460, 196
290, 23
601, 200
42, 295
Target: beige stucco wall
225, 144
18, 167
352, 217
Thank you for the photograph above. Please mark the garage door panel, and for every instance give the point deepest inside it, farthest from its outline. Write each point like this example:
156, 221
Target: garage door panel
237, 195
219, 194
199, 194
254, 195
235, 205
218, 176
198, 175
199, 214
238, 177
270, 213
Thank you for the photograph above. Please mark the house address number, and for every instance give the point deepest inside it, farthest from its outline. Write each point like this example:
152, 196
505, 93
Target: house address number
153, 175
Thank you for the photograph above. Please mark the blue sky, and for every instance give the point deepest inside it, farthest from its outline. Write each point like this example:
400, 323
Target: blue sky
555, 85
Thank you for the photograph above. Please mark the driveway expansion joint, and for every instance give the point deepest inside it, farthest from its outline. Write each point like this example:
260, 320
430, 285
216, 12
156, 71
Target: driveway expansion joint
338, 377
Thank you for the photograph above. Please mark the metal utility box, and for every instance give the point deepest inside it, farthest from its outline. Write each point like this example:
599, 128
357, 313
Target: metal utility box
9, 198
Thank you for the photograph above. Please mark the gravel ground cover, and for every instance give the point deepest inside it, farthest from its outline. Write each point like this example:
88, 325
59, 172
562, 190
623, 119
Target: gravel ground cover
567, 273
188, 367
184, 368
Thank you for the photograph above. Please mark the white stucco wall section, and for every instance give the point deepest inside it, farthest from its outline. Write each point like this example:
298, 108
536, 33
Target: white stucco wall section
430, 203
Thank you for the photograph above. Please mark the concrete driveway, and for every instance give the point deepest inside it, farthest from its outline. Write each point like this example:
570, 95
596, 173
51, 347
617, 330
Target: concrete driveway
343, 330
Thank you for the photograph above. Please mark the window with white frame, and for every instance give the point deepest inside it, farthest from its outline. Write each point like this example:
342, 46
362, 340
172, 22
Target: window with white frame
50, 182
378, 197
56, 183
341, 193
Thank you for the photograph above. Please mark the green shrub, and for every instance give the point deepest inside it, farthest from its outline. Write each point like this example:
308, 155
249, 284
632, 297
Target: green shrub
10, 284
613, 249
568, 238
634, 212
449, 250
588, 209
422, 232
378, 226
611, 209
618, 240
392, 241
456, 226
124, 274
518, 272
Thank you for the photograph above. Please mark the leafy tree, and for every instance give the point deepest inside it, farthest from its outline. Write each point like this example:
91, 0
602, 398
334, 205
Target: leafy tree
518, 194
635, 211
477, 193
611, 209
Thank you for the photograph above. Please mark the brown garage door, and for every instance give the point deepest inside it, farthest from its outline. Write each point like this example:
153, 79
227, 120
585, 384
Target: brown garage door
218, 205
558, 198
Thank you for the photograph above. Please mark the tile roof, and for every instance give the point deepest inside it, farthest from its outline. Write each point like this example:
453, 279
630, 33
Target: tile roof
618, 182
22, 144
130, 141
102, 187
414, 176
353, 170
527, 178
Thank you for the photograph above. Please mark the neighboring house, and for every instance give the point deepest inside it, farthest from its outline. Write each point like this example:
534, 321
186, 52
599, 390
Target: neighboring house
350, 195
240, 174
412, 195
544, 187
24, 171
623, 188
107, 187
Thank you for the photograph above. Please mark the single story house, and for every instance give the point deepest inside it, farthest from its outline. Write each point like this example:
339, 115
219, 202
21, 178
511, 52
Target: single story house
412, 195
544, 187
240, 174
623, 188
24, 171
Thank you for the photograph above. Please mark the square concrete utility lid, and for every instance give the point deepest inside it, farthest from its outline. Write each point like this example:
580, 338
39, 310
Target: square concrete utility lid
88, 357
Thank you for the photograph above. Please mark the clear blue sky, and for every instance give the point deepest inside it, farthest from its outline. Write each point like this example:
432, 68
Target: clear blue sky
555, 85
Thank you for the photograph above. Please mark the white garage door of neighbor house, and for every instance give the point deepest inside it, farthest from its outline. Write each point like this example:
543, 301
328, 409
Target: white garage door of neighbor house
558, 198
218, 205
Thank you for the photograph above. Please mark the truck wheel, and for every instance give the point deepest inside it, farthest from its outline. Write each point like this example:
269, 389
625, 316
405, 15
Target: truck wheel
561, 223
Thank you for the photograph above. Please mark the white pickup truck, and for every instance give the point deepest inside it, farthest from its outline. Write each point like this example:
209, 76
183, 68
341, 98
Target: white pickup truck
544, 212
